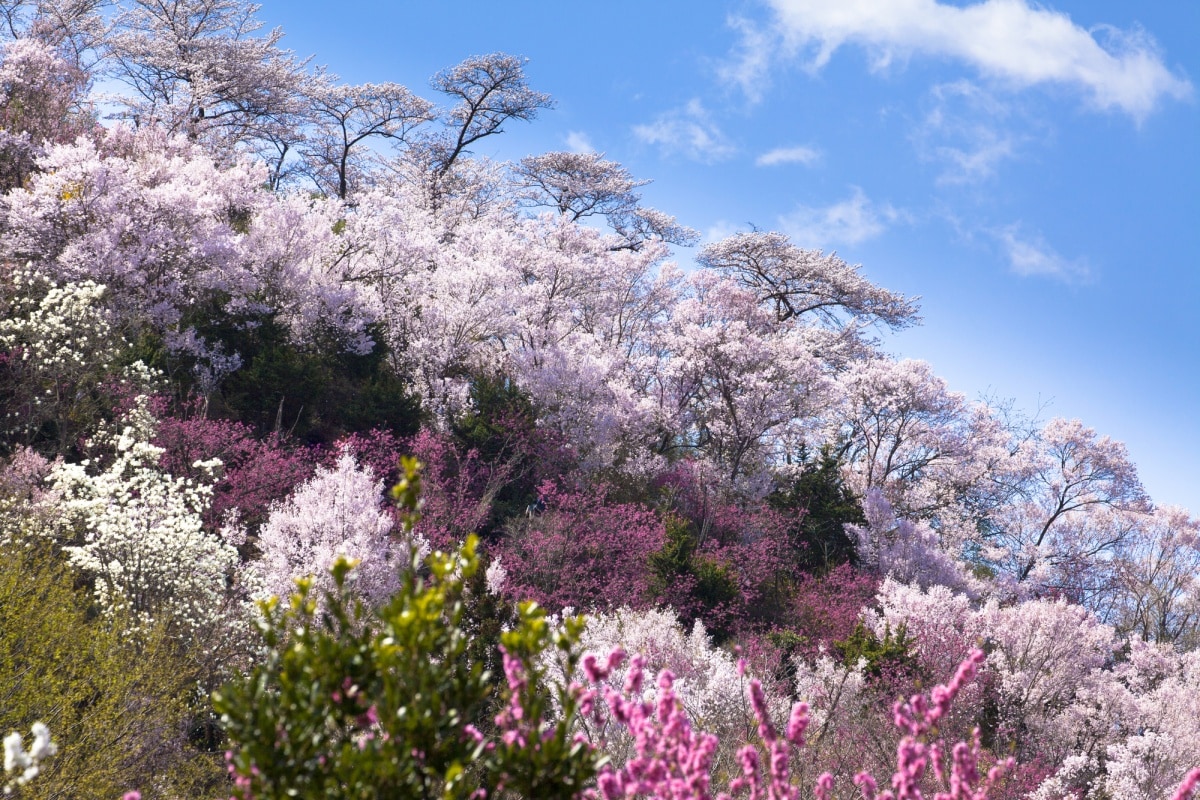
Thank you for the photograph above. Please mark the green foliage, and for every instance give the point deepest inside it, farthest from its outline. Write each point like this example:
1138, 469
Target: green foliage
317, 392
353, 704
118, 707
485, 619
499, 423
695, 583
499, 412
822, 504
890, 655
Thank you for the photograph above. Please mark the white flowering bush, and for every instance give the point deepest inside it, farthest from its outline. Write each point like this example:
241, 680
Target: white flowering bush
337, 514
56, 344
832, 690
138, 532
21, 765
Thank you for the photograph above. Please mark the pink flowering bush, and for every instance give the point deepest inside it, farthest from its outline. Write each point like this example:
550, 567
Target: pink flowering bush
723, 560
825, 609
461, 487
674, 761
581, 551
255, 471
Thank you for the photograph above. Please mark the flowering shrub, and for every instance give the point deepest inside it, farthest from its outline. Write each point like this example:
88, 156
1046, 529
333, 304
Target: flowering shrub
462, 488
23, 764
349, 703
581, 551
335, 515
122, 708
723, 560
255, 472
56, 349
705, 679
673, 762
826, 609
139, 533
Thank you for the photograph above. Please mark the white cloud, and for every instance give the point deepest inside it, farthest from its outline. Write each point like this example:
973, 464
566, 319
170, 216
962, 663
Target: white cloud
721, 229
788, 155
688, 131
851, 221
978, 162
1032, 257
1019, 44
750, 66
968, 132
578, 142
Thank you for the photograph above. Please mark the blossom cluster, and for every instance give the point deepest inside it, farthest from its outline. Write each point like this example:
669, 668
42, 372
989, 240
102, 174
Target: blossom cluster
24, 765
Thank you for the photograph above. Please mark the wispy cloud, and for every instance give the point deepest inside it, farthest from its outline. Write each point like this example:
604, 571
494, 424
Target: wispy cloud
968, 132
850, 221
688, 131
721, 229
1019, 44
578, 142
749, 66
789, 155
1033, 257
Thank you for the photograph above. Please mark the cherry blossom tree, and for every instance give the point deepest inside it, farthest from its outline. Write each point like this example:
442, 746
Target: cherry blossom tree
345, 117
1075, 504
487, 91
75, 28
737, 384
173, 234
198, 67
579, 185
147, 215
1157, 592
1158, 749
927, 449
941, 624
1047, 654
805, 284
907, 551
1091, 714
706, 681
41, 100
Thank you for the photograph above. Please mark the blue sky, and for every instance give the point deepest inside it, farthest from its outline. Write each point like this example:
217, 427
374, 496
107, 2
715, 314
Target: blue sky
1031, 171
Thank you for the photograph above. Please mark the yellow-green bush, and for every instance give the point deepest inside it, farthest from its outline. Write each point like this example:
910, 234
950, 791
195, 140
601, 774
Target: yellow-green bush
120, 709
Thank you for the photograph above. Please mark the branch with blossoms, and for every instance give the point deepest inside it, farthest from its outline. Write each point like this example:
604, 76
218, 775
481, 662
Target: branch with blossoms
674, 762
918, 718
1190, 787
